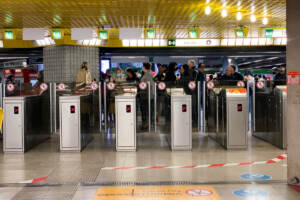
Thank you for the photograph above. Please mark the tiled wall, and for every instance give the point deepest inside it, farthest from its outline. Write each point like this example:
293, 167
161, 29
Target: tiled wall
61, 63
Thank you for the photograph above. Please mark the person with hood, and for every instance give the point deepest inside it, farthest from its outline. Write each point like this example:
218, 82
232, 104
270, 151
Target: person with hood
84, 76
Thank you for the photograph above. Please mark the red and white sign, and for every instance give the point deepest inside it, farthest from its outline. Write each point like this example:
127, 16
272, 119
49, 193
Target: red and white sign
192, 85
44, 87
143, 86
293, 78
10, 87
241, 84
111, 86
199, 192
94, 86
210, 85
61, 87
260, 84
162, 86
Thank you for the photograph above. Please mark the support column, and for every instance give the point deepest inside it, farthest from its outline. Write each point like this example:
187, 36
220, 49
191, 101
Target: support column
61, 63
293, 99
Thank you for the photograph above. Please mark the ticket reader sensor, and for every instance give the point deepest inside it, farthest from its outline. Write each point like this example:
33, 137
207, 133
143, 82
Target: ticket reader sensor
126, 122
181, 120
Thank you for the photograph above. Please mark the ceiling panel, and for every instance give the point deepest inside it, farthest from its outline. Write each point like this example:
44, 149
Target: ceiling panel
171, 17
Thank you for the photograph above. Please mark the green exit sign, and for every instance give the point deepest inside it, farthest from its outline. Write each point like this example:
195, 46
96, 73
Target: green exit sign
240, 33
269, 33
150, 34
57, 34
9, 35
193, 34
171, 43
103, 35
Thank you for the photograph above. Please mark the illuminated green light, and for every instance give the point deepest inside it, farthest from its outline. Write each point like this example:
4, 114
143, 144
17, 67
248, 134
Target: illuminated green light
103, 35
171, 43
193, 34
240, 33
269, 33
57, 34
9, 35
150, 34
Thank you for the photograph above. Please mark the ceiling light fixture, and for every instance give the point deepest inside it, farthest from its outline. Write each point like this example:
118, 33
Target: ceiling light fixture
265, 21
207, 10
253, 18
239, 16
224, 13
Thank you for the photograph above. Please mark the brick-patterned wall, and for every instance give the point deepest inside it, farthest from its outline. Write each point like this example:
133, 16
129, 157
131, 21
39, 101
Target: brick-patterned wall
61, 63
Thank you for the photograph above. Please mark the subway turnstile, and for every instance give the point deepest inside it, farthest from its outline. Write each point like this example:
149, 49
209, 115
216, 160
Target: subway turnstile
26, 122
75, 122
181, 120
125, 122
270, 121
227, 117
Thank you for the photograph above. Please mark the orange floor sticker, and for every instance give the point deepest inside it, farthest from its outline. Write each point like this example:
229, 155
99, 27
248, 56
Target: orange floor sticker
157, 193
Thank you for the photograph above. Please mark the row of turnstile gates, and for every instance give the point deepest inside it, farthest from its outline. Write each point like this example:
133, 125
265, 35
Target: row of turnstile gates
28, 121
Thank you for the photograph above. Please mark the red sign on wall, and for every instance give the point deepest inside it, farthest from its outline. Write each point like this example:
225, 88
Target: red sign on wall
293, 78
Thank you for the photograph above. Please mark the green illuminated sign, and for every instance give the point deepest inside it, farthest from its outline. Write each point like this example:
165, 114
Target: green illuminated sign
57, 34
269, 33
171, 43
240, 33
193, 34
8, 35
150, 34
103, 35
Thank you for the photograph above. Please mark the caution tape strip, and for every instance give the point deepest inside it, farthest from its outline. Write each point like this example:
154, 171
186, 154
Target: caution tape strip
35, 180
274, 160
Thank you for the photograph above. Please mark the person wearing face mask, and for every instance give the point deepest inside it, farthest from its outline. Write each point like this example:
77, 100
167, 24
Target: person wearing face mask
84, 76
118, 76
280, 78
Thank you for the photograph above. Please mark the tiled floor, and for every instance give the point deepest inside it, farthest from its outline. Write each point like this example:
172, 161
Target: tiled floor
79, 175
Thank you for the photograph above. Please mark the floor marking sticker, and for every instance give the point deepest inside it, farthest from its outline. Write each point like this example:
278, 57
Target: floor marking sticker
157, 192
250, 193
256, 177
272, 161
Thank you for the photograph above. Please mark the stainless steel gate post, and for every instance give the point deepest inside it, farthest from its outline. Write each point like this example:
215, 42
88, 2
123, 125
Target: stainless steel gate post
149, 105
105, 109
100, 106
204, 104
155, 107
199, 106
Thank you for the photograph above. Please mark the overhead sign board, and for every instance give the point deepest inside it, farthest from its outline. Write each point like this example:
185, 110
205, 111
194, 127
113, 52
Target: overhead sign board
193, 33
33, 33
57, 34
150, 34
171, 43
102, 34
9, 34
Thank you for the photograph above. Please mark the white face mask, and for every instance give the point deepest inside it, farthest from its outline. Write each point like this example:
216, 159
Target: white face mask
139, 75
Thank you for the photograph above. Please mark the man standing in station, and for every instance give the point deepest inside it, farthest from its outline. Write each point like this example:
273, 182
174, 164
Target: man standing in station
280, 78
84, 76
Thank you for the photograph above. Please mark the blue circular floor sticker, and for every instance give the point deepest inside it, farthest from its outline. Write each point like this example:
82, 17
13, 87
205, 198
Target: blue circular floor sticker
256, 177
246, 193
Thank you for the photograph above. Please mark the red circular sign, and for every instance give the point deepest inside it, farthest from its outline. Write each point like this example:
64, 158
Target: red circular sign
94, 86
260, 84
10, 87
61, 86
44, 87
192, 85
111, 86
162, 86
210, 85
199, 192
143, 85
241, 84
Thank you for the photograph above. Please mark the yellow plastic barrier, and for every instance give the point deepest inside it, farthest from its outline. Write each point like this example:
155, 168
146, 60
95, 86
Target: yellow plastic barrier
1, 118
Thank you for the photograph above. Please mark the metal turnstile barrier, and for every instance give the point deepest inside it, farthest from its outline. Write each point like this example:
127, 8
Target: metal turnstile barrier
181, 120
125, 122
75, 127
26, 122
227, 117
270, 120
